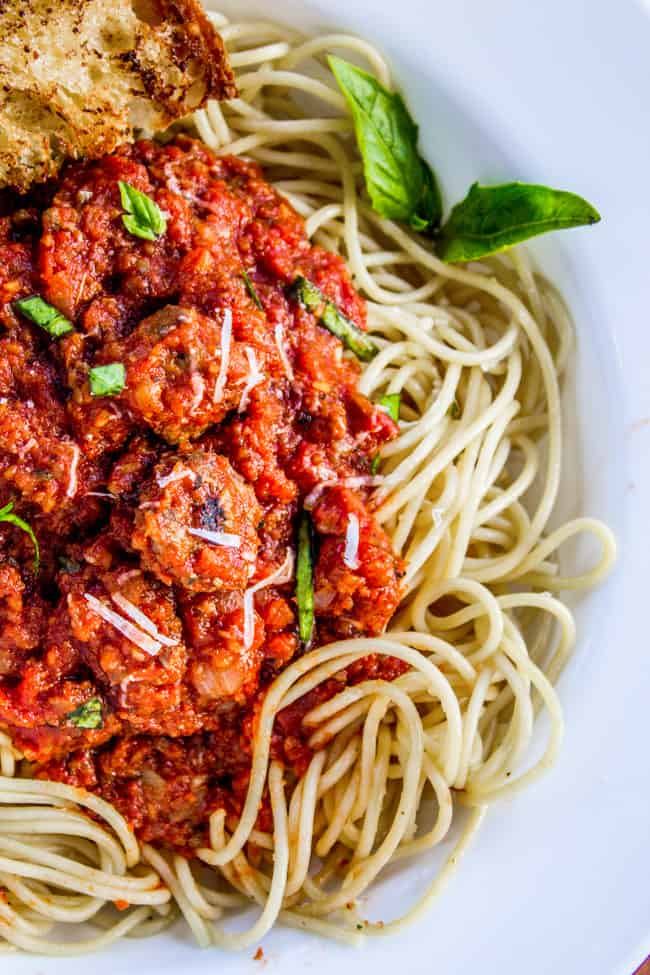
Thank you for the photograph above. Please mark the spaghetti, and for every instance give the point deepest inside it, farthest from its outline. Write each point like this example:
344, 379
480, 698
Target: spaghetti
476, 354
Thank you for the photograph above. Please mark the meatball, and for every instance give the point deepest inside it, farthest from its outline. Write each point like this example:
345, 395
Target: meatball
115, 658
196, 524
173, 361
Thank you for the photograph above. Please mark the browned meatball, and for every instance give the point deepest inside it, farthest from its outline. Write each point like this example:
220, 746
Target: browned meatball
173, 361
155, 655
186, 497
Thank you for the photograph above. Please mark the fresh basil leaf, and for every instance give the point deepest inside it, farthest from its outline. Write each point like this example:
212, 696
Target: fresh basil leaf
492, 218
391, 404
107, 380
376, 463
305, 579
400, 184
250, 287
333, 320
88, 716
7, 516
143, 217
42, 313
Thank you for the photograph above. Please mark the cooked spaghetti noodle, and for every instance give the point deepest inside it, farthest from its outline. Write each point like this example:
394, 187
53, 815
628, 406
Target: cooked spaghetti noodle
477, 354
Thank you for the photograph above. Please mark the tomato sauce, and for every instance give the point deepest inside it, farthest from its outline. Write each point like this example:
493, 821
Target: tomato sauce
173, 496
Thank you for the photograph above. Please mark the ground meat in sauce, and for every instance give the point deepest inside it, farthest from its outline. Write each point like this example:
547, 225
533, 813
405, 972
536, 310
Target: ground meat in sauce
133, 496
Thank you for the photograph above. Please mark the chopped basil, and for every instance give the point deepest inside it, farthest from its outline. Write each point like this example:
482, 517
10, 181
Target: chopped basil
7, 516
401, 185
250, 287
493, 218
88, 716
391, 404
376, 462
143, 217
305, 579
42, 313
333, 320
107, 380
454, 410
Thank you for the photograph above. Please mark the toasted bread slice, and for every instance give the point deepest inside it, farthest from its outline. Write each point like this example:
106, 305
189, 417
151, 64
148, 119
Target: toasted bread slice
77, 77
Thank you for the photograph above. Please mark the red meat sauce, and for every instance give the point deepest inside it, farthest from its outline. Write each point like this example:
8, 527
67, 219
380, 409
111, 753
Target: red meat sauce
116, 486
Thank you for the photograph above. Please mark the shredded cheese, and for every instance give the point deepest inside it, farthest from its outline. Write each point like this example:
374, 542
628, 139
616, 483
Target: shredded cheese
277, 578
197, 384
351, 554
126, 628
72, 476
143, 621
177, 473
279, 341
347, 482
226, 338
217, 538
255, 377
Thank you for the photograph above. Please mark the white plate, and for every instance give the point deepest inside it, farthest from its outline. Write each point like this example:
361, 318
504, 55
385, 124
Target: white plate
554, 91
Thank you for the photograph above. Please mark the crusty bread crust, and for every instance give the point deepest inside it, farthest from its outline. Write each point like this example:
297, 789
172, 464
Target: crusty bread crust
78, 77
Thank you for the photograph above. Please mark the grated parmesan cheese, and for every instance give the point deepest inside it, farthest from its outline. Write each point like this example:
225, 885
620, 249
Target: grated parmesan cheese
226, 338
348, 482
277, 578
124, 626
142, 620
217, 538
351, 554
279, 341
72, 476
255, 377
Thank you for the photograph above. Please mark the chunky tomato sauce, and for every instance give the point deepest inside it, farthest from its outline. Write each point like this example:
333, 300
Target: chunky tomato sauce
121, 489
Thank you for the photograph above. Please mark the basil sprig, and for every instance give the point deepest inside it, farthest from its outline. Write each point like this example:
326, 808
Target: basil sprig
87, 716
401, 185
305, 579
329, 316
143, 217
7, 516
492, 218
45, 315
107, 380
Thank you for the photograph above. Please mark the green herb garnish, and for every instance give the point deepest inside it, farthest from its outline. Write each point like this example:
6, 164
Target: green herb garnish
454, 410
493, 218
376, 462
391, 404
143, 217
42, 313
88, 715
250, 287
107, 380
333, 320
305, 578
401, 185
7, 515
